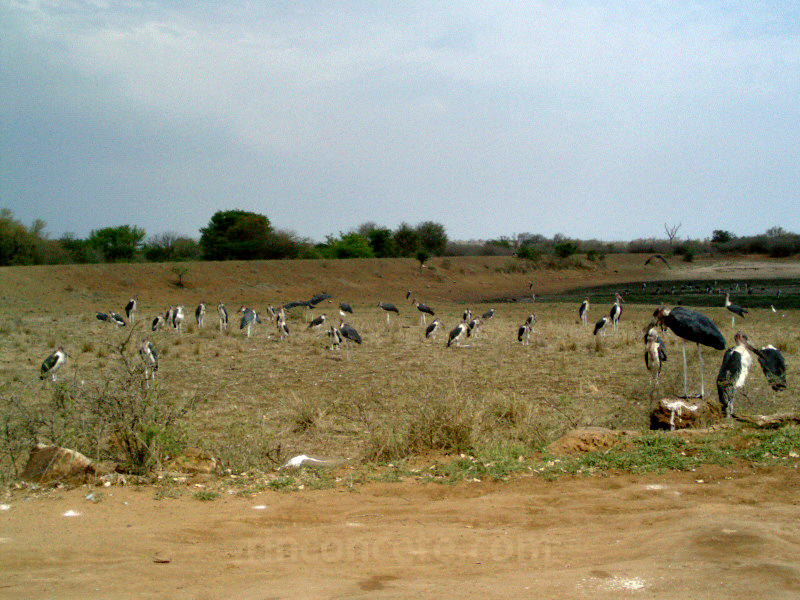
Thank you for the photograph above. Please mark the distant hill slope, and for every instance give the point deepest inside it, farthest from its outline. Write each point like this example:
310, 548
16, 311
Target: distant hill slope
458, 279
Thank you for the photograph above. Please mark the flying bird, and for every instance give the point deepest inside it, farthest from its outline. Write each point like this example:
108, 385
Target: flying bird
692, 326
657, 257
734, 308
772, 364
344, 308
317, 299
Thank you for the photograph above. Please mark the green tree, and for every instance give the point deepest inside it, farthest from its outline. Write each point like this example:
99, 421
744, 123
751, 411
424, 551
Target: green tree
349, 245
406, 240
432, 237
565, 249
117, 243
236, 235
720, 236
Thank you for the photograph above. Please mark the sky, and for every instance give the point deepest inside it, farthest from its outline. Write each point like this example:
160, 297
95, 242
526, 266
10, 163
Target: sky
593, 119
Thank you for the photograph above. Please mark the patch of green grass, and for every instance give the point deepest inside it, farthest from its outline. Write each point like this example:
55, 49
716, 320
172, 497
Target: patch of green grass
284, 483
205, 495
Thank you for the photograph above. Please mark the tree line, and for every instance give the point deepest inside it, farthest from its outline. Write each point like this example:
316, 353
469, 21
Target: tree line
243, 235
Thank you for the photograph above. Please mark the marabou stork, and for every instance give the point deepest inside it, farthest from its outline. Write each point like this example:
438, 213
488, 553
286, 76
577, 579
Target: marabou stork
695, 327
430, 331
349, 333
336, 338
53, 363
524, 333
424, 309
317, 322
733, 373
734, 308
616, 311
772, 364
158, 323
345, 308
249, 318
583, 312
223, 317
130, 308
473, 327
488, 314
200, 314
655, 353
178, 317
456, 334
316, 299
149, 356
389, 308
283, 328
600, 326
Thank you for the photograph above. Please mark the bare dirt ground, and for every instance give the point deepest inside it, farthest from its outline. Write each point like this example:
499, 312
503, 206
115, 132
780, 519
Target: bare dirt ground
713, 533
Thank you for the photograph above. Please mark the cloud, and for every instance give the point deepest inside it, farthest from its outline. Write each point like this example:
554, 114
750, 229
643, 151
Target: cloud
323, 116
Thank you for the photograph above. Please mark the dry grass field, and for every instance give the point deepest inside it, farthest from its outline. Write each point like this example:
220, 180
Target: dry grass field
660, 519
259, 400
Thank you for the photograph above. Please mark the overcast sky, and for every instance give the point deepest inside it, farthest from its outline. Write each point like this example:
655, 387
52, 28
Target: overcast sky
592, 119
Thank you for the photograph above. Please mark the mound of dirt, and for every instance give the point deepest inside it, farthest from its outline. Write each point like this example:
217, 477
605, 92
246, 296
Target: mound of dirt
590, 439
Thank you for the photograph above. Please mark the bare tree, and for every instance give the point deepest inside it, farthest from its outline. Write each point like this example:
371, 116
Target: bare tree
672, 232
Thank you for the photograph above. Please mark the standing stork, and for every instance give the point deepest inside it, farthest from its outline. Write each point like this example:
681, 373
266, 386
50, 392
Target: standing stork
130, 308
158, 323
53, 363
473, 327
336, 338
692, 326
249, 317
317, 322
432, 329
734, 308
424, 309
149, 356
655, 353
583, 312
178, 316
524, 333
733, 373
223, 317
389, 308
456, 334
533, 294
283, 328
488, 314
616, 311
600, 326
200, 314
349, 333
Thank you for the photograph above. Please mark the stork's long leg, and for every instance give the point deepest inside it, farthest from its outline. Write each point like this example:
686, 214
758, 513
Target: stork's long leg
702, 377
685, 372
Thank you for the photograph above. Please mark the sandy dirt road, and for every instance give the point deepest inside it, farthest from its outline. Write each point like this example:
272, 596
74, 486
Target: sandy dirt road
714, 533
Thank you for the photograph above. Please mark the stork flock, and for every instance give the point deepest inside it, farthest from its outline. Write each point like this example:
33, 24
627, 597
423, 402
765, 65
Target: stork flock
686, 324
